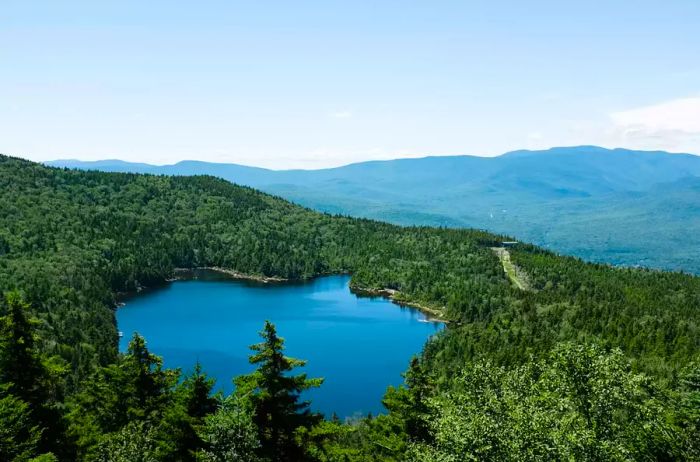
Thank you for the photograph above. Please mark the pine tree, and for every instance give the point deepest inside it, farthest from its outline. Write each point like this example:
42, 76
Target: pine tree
185, 417
20, 363
274, 397
420, 389
19, 436
25, 376
196, 391
151, 383
135, 389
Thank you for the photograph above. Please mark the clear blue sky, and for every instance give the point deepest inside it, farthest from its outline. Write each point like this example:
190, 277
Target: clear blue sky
317, 83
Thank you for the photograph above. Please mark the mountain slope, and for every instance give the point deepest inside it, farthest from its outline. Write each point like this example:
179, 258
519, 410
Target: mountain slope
603, 205
71, 240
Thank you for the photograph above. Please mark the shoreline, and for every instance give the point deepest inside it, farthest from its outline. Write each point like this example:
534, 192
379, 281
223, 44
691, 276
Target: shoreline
233, 273
178, 275
433, 314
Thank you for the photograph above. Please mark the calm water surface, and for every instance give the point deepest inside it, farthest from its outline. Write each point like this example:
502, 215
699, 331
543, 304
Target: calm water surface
360, 345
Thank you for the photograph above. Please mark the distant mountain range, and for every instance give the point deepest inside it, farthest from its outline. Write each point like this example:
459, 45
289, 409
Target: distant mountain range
616, 206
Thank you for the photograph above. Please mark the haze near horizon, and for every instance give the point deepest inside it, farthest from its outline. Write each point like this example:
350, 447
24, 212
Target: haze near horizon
316, 85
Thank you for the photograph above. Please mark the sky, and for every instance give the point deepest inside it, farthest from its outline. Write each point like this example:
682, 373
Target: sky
312, 84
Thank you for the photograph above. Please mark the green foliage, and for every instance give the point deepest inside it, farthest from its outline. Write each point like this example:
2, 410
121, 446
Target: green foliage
24, 375
410, 404
20, 364
135, 442
579, 404
332, 441
193, 403
72, 242
387, 437
614, 206
689, 403
196, 394
19, 436
77, 239
274, 397
229, 434
134, 388
47, 457
654, 317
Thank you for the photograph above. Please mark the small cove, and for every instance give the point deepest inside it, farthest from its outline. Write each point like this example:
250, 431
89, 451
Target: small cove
359, 344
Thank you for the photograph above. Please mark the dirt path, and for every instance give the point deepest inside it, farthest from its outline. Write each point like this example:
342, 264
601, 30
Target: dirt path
515, 274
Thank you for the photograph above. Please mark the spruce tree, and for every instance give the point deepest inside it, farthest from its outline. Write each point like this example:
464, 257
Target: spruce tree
19, 436
20, 363
196, 391
24, 375
182, 420
420, 389
135, 389
274, 397
151, 383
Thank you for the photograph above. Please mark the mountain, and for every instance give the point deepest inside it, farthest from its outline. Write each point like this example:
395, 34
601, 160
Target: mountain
616, 206
588, 361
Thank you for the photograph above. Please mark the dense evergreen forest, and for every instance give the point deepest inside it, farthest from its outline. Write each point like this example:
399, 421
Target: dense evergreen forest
589, 363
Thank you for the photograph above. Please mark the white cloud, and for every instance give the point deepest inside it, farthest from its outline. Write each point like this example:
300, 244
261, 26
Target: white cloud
677, 115
668, 125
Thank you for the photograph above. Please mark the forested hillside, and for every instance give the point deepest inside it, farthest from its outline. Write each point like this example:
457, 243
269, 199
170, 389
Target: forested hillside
634, 208
71, 241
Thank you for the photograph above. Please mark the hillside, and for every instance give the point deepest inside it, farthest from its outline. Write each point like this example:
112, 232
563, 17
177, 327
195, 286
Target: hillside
132, 230
71, 240
623, 207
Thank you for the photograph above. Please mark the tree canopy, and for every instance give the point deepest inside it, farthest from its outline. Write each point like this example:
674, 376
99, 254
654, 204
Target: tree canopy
72, 242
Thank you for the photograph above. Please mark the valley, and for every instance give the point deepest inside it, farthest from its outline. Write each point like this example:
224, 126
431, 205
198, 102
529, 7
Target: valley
623, 207
73, 240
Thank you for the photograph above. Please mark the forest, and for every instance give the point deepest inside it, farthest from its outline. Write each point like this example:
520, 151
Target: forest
592, 362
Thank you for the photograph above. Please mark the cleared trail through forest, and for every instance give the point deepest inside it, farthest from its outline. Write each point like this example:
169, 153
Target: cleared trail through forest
516, 275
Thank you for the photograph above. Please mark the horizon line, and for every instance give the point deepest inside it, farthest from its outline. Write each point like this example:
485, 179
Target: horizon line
429, 156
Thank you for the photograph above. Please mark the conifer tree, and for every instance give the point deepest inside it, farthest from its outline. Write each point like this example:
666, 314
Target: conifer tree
151, 383
20, 363
420, 389
24, 375
19, 436
135, 389
183, 419
196, 391
274, 397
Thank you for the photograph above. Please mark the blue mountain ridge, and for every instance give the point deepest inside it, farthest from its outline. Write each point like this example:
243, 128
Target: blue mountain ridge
608, 205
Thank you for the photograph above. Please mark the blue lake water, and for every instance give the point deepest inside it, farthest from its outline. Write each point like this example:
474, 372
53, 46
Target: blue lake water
360, 345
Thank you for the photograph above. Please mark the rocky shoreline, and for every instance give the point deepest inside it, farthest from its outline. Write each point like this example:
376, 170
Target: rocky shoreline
434, 314
180, 274
234, 274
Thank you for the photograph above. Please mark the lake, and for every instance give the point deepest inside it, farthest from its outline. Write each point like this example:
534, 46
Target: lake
359, 344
